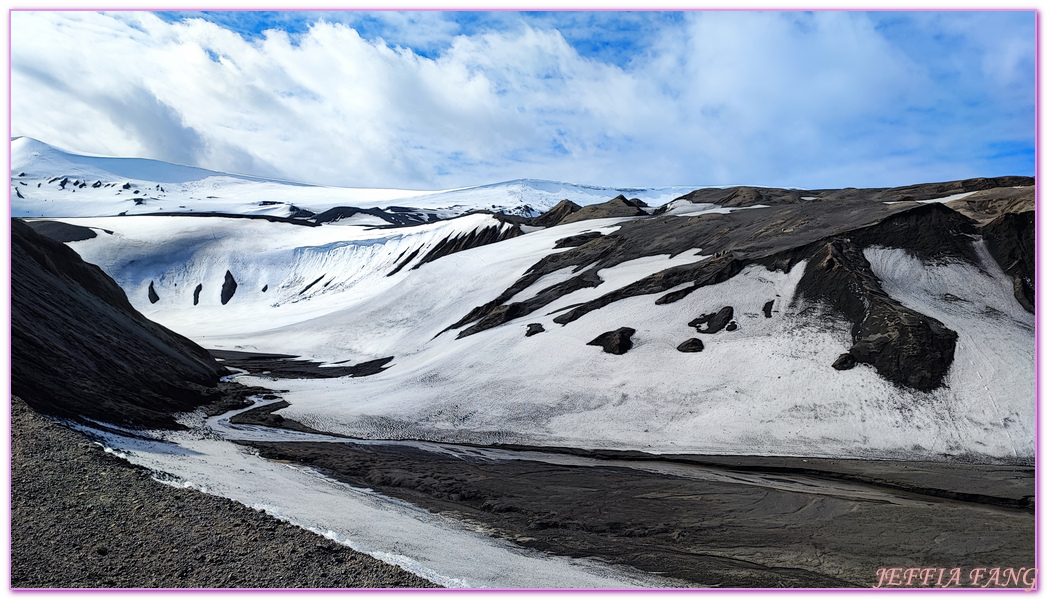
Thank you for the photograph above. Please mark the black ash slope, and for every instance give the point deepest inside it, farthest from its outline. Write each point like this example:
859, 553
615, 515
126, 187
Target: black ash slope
780, 228
79, 349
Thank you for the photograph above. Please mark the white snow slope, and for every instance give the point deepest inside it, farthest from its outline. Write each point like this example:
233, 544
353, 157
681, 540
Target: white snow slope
766, 388
37, 170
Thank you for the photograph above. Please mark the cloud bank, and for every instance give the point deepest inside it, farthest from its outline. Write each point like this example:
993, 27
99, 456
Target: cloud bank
436, 100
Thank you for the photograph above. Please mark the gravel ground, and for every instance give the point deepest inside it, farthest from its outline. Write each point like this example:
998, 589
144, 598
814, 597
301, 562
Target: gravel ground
84, 518
827, 524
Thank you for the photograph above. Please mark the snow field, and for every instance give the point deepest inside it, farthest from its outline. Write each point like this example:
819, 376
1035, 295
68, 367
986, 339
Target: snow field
166, 187
766, 388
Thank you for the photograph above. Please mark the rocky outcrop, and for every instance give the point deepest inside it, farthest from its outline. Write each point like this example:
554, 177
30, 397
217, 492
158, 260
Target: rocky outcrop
534, 329
459, 242
392, 216
473, 239
767, 307
618, 341
620, 206
153, 297
285, 366
745, 196
985, 205
904, 346
556, 214
713, 322
573, 241
196, 293
80, 350
62, 232
1011, 240
845, 362
228, 288
777, 238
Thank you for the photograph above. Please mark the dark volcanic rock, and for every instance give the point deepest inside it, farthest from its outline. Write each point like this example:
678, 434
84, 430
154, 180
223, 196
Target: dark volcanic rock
397, 216
196, 293
228, 287
767, 308
742, 196
845, 362
1011, 240
314, 282
211, 215
556, 214
733, 325
778, 238
751, 196
265, 288
474, 239
574, 241
713, 322
534, 329
986, 205
79, 349
153, 298
62, 232
299, 213
620, 206
460, 242
691, 345
284, 365
615, 342
906, 347
266, 417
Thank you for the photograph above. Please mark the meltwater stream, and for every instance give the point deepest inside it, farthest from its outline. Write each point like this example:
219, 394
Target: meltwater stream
443, 550
440, 549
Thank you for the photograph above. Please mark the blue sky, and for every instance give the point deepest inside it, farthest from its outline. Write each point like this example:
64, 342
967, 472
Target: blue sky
435, 99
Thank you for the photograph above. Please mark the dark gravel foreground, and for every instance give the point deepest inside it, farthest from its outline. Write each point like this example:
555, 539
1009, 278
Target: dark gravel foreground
84, 518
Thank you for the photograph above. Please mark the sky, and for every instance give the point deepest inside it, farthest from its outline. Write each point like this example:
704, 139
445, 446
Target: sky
434, 99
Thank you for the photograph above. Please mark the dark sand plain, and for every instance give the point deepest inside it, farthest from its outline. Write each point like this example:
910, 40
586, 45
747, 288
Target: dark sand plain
752, 522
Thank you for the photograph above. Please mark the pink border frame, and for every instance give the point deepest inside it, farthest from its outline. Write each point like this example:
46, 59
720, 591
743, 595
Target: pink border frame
1038, 321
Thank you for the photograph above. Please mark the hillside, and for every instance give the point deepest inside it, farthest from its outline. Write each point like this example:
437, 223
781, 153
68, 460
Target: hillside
913, 318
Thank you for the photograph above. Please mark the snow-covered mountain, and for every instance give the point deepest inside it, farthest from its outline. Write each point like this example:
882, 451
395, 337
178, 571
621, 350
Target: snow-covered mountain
860, 323
47, 182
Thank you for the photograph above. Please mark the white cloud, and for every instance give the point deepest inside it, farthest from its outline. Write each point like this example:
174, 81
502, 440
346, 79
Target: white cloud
766, 98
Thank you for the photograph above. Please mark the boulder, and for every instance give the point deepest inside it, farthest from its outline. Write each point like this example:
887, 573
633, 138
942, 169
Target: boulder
845, 362
691, 345
228, 288
714, 322
615, 342
767, 308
